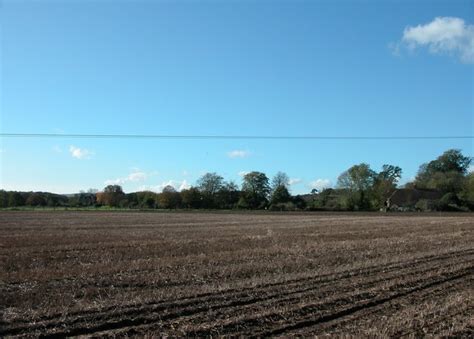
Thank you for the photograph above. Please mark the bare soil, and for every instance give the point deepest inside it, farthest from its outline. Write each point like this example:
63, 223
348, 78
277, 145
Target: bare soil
222, 274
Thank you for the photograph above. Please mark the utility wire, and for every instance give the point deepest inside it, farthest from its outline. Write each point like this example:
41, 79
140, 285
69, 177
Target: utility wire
229, 137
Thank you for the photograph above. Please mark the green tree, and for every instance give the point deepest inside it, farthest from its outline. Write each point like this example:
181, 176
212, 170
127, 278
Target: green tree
322, 199
447, 182
467, 192
15, 199
280, 179
280, 189
169, 198
451, 160
255, 190
82, 200
3, 199
446, 173
35, 199
228, 195
357, 182
146, 199
111, 196
390, 173
113, 189
191, 198
209, 185
385, 183
280, 195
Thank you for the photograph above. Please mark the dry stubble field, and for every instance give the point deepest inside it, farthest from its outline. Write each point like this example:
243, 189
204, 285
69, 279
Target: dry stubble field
255, 274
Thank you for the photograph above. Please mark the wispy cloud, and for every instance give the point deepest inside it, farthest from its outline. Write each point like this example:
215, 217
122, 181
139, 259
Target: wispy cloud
135, 176
80, 153
238, 154
294, 181
320, 184
444, 35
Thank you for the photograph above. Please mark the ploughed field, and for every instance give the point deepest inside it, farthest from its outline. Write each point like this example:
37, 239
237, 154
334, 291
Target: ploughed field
254, 274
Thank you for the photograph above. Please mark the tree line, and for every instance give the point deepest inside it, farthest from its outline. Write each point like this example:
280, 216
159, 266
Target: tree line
358, 188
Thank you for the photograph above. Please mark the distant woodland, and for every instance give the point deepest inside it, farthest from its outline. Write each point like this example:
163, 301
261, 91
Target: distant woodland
443, 184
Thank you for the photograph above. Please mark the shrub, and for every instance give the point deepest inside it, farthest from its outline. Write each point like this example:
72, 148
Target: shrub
283, 206
425, 205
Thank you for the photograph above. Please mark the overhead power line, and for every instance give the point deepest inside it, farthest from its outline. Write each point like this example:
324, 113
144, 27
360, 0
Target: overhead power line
230, 137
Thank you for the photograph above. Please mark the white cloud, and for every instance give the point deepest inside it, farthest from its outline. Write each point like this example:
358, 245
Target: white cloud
184, 185
243, 173
178, 185
470, 169
444, 35
320, 184
80, 153
152, 188
294, 181
118, 181
135, 176
238, 154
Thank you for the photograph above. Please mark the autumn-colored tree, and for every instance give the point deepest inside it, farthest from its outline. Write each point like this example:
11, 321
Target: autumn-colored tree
35, 199
169, 198
191, 198
111, 196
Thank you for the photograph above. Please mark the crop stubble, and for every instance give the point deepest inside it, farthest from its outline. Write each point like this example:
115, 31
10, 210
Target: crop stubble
255, 274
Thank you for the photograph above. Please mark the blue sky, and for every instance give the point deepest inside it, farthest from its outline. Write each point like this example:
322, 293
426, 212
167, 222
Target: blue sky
326, 68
